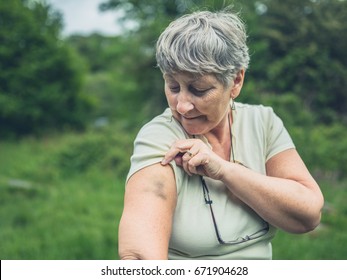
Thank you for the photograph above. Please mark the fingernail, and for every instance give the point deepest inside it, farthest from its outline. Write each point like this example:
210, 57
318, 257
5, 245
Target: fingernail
164, 161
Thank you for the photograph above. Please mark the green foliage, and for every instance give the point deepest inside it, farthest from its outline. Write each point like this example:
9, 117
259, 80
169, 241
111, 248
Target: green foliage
40, 77
323, 149
61, 197
101, 53
61, 220
112, 79
299, 48
326, 149
106, 149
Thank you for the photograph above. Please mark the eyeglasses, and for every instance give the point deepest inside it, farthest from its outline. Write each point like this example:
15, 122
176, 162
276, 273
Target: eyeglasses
238, 240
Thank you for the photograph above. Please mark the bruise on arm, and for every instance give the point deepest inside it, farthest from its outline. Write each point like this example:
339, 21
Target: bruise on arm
157, 187
155, 181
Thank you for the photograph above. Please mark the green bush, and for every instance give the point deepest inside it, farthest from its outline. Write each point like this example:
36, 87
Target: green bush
106, 149
40, 76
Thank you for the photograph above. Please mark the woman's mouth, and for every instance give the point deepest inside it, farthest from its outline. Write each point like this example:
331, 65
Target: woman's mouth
190, 117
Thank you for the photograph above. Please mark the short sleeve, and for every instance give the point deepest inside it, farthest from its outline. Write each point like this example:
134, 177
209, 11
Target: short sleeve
152, 143
278, 138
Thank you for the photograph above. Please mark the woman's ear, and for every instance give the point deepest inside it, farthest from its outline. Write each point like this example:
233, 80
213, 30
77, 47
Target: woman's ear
237, 84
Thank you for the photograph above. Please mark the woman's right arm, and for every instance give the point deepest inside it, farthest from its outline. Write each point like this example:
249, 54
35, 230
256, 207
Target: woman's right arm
149, 204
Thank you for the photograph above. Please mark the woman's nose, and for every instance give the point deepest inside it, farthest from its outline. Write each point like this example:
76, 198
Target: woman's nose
184, 104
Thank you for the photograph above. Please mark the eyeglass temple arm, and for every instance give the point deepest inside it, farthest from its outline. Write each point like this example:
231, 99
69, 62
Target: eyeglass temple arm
209, 202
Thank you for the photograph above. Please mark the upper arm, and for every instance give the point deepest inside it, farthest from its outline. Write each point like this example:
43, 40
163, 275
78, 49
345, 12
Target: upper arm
289, 165
149, 203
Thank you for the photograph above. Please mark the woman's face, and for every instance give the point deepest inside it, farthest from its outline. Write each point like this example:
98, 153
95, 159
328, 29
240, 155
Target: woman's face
199, 103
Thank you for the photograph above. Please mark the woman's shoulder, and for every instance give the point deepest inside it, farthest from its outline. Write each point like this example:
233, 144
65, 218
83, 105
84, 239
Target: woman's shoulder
253, 108
254, 112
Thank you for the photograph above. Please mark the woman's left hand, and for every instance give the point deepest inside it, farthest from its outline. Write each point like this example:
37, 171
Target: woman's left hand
196, 158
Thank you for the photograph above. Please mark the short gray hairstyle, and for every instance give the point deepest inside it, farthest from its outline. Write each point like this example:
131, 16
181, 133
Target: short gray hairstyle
204, 43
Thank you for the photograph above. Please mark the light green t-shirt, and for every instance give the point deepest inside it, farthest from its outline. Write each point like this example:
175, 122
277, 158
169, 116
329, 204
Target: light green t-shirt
258, 134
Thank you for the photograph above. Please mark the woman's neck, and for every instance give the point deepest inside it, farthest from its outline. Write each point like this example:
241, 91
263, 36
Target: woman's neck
220, 137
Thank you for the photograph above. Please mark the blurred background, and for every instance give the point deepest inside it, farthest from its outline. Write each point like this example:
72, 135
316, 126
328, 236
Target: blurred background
78, 79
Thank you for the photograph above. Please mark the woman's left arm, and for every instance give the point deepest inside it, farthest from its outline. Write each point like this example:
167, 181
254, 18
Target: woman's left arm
287, 196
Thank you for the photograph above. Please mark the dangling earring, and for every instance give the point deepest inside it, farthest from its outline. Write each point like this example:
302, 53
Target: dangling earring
233, 104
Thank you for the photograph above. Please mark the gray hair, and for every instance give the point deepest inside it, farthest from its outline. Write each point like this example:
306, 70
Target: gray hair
204, 43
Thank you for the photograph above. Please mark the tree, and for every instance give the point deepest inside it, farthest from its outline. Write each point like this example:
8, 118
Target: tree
304, 53
40, 77
111, 80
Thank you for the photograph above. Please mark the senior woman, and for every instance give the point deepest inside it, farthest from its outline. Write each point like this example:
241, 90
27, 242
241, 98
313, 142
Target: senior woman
212, 178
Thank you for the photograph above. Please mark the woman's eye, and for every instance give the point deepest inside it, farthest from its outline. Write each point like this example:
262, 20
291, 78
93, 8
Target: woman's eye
174, 89
198, 92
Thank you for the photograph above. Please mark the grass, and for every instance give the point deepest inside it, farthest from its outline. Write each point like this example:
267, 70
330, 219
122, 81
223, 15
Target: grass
61, 198
74, 219
50, 212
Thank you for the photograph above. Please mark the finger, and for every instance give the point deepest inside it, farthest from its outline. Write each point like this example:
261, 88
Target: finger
189, 153
197, 164
178, 159
185, 160
187, 157
173, 153
186, 168
194, 150
180, 146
